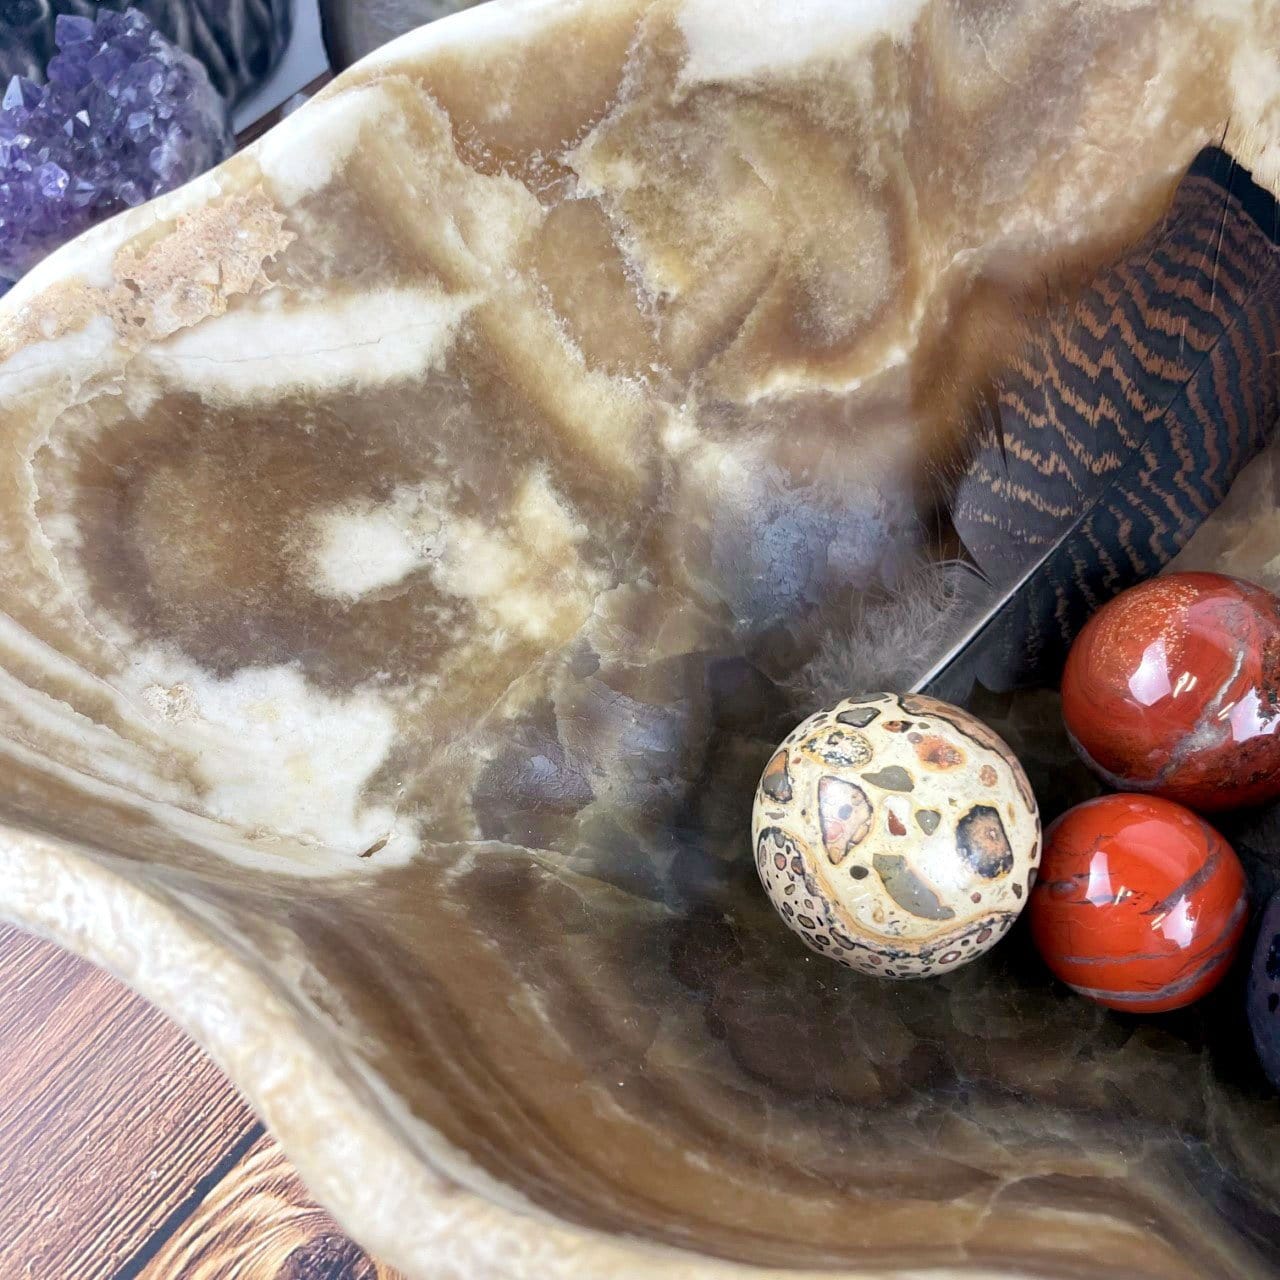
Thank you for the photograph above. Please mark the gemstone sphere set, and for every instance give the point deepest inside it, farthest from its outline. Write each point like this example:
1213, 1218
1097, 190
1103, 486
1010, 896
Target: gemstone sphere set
898, 835
1172, 690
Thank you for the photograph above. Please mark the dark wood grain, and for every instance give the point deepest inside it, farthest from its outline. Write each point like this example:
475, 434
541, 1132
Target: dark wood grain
261, 1216
125, 1154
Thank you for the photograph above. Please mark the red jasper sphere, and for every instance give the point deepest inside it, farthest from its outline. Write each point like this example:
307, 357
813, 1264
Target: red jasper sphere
1140, 904
1174, 688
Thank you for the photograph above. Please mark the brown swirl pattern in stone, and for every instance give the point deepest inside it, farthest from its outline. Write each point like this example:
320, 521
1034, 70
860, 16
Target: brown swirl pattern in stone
404, 530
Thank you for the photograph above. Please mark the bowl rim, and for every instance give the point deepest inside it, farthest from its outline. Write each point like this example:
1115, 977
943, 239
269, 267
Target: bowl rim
408, 1214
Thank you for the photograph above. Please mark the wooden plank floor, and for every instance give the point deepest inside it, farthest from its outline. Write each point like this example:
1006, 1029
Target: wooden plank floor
125, 1154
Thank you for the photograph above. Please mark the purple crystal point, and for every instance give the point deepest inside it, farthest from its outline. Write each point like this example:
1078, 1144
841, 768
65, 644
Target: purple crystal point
110, 63
21, 95
124, 117
53, 180
69, 29
70, 70
78, 126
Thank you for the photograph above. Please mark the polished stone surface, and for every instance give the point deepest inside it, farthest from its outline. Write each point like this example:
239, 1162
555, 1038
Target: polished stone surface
1173, 688
404, 531
896, 835
1140, 905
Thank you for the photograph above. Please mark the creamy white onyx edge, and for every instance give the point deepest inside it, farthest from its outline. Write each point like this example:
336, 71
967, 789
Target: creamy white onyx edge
896, 834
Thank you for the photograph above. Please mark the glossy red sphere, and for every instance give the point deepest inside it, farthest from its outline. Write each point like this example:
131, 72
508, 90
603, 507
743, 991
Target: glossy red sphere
1174, 688
1140, 904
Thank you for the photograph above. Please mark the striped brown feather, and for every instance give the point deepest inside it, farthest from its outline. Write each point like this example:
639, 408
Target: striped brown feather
1118, 430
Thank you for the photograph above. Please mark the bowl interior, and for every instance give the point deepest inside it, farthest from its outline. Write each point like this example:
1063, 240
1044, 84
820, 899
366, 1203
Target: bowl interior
411, 602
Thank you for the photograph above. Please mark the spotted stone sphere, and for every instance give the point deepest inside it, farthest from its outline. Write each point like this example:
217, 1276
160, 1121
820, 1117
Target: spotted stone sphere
896, 834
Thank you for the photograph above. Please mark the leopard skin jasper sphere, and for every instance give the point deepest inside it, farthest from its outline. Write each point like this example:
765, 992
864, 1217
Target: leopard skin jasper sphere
896, 834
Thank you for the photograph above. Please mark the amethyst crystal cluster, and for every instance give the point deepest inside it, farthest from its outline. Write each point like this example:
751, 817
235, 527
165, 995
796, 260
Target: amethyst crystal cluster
125, 115
240, 42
